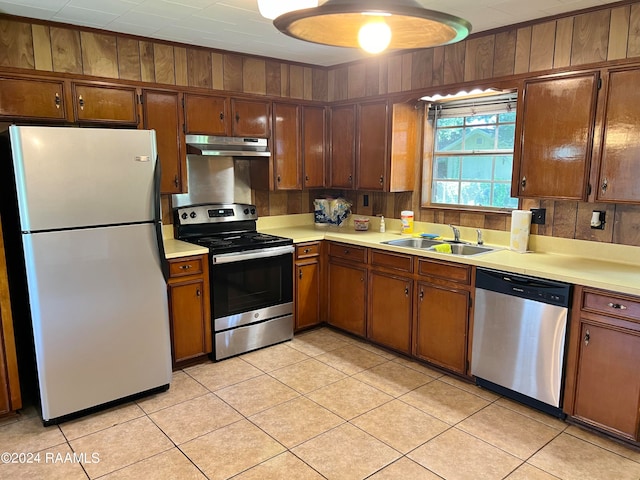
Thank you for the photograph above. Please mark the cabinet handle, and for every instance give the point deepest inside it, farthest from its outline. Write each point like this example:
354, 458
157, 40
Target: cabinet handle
421, 295
587, 337
198, 292
221, 116
57, 100
306, 178
300, 274
381, 179
406, 291
175, 181
278, 178
81, 102
617, 306
306, 250
237, 117
350, 178
185, 267
523, 182
605, 184
346, 251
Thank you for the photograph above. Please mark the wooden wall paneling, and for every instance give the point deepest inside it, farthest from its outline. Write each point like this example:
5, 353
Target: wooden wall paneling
278, 203
437, 73
583, 222
564, 219
633, 45
180, 64
42, 47
232, 72
296, 81
65, 50
504, 58
523, 50
99, 55
166, 208
128, 58
473, 220
254, 76
407, 68
372, 77
479, 58
543, 38
451, 217
260, 198
16, 42
618, 33
564, 37
284, 80
590, 37
217, 71
394, 77
147, 63
307, 83
626, 228
294, 203
272, 78
341, 84
383, 75
454, 63
164, 64
331, 83
357, 81
199, 71
495, 222
422, 68
320, 85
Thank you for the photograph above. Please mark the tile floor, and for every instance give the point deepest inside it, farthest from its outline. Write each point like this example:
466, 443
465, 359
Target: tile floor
321, 406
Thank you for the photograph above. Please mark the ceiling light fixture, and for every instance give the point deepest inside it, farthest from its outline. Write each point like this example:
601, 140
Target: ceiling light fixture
373, 25
274, 8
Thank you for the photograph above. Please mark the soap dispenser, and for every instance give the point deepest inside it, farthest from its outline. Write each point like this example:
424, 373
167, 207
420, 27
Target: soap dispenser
382, 227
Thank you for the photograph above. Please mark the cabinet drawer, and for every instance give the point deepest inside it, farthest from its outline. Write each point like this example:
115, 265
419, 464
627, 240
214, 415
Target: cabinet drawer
445, 271
305, 250
612, 305
185, 266
395, 261
351, 252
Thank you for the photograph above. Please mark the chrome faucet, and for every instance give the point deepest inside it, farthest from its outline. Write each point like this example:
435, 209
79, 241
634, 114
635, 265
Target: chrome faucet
480, 241
456, 234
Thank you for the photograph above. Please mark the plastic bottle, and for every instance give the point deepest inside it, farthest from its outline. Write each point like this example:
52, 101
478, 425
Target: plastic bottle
382, 228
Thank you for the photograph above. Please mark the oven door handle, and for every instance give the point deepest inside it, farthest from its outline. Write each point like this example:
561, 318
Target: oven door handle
252, 254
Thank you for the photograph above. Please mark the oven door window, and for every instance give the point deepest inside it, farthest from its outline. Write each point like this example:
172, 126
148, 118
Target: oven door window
247, 285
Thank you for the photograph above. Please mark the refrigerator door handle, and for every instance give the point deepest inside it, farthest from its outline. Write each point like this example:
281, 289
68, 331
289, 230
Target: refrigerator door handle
157, 220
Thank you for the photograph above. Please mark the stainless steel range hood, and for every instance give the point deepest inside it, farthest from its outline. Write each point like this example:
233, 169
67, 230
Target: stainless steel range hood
227, 146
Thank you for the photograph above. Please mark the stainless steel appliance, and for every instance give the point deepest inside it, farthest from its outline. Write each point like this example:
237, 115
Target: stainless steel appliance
81, 217
519, 331
251, 276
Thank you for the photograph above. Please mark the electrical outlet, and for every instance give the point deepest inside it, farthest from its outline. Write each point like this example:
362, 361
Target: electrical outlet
365, 200
538, 216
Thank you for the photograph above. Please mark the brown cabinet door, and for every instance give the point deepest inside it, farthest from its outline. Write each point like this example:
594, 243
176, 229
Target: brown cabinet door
442, 325
190, 325
206, 114
347, 297
390, 310
405, 147
314, 127
250, 118
33, 99
557, 117
162, 114
285, 150
608, 384
371, 157
620, 158
307, 294
100, 104
343, 152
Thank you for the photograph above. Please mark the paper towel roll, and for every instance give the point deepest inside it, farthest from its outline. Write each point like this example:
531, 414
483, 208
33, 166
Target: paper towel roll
520, 228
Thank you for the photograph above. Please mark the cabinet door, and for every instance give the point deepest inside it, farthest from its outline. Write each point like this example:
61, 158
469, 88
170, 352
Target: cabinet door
100, 104
442, 325
162, 114
620, 158
608, 384
405, 147
343, 153
390, 310
206, 114
307, 294
372, 155
285, 150
33, 99
557, 117
347, 297
190, 325
250, 118
313, 146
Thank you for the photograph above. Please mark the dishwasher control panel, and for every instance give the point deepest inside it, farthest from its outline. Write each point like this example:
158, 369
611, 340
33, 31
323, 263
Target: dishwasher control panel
532, 288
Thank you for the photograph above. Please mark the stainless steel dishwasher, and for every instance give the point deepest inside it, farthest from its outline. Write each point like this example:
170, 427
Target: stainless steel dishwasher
519, 331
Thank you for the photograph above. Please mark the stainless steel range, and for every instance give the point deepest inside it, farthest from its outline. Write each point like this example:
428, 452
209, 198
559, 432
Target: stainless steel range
251, 276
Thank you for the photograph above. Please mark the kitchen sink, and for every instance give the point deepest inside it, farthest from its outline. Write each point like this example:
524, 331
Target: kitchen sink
464, 249
460, 248
413, 242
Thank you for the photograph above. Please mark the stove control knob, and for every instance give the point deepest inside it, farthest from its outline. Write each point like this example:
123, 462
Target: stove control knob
246, 211
192, 214
253, 211
184, 216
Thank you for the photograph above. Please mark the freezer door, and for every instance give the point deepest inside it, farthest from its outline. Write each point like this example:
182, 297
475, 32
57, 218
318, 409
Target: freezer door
74, 177
100, 315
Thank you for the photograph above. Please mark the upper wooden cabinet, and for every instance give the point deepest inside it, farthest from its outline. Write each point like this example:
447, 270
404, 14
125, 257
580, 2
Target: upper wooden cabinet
22, 98
206, 114
342, 162
314, 128
556, 117
285, 150
250, 118
371, 149
105, 104
620, 146
161, 112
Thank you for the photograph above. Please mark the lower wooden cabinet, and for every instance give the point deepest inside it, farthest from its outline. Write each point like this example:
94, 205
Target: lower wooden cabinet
307, 285
347, 288
189, 309
602, 387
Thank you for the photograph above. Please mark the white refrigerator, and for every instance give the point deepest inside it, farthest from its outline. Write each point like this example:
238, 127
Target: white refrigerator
89, 221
